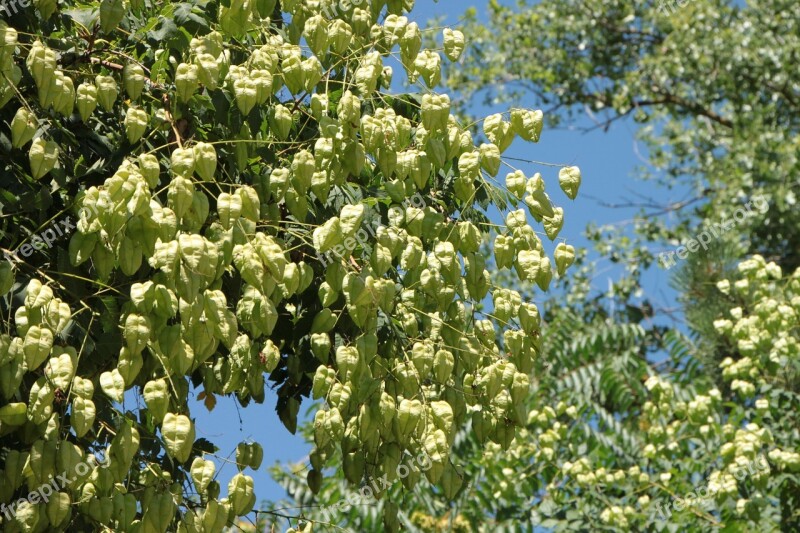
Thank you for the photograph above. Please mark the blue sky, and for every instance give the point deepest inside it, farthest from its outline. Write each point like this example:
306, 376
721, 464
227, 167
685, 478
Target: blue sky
607, 160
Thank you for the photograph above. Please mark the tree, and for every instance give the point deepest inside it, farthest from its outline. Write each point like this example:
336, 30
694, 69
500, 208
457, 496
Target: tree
696, 429
197, 195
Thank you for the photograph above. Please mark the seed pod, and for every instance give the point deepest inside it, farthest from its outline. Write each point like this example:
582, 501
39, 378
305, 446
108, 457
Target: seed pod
328, 235
316, 34
545, 274
156, 397
87, 100
245, 91
553, 225
490, 158
135, 124
63, 100
207, 70
202, 473
314, 480
443, 363
454, 44
186, 81
469, 165
280, 121
340, 35
527, 264
515, 183
43, 156
498, 131
409, 413
159, 513
570, 180
182, 162
133, 80
41, 63
347, 360
46, 8
178, 433
111, 14
113, 385
410, 44
428, 65
149, 169
205, 161
265, 7
107, 91
529, 318
59, 508
23, 127
422, 356
324, 378
564, 256
527, 124
83, 413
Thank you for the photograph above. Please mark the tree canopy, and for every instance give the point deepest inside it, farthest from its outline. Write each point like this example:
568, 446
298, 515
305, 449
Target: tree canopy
226, 199
634, 425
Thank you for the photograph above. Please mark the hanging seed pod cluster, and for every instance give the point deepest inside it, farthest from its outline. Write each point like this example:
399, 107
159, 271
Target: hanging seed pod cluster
251, 208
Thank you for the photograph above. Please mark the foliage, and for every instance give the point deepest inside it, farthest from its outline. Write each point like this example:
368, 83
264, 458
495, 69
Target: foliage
709, 81
629, 418
241, 197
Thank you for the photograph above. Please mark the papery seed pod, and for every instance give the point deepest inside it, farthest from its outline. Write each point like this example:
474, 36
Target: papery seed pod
324, 379
86, 100
64, 100
41, 62
490, 158
454, 44
156, 397
133, 80
242, 147
553, 225
23, 127
178, 433
58, 508
498, 131
186, 81
564, 256
515, 183
570, 180
316, 34
202, 472
340, 35
182, 162
136, 121
46, 8
246, 93
149, 169
280, 121
443, 364
205, 160
111, 14
207, 70
107, 91
43, 156
545, 274
527, 123
428, 65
